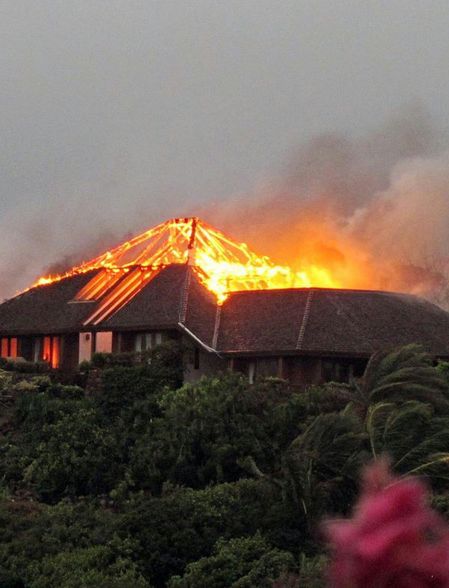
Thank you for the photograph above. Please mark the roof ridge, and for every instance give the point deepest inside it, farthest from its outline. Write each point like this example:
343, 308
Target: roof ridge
305, 318
183, 301
216, 326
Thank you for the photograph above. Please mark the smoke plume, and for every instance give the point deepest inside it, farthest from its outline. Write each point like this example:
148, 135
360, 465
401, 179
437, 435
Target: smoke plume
373, 211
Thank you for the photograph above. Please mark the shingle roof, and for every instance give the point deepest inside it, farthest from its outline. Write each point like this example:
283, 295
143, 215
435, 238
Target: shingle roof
330, 321
261, 319
156, 305
173, 296
46, 309
306, 321
200, 311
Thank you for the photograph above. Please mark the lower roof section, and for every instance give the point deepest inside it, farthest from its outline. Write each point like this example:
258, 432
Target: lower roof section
315, 320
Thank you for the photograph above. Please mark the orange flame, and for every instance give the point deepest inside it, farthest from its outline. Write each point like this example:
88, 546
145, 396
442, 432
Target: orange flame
222, 265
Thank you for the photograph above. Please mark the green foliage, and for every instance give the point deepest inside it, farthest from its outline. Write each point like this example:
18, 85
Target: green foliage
124, 384
440, 502
322, 464
99, 566
6, 381
184, 524
220, 483
312, 573
415, 438
236, 563
24, 367
206, 429
31, 531
75, 457
404, 374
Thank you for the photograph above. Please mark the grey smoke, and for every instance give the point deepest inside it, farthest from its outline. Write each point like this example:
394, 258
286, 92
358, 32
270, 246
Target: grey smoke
118, 114
376, 205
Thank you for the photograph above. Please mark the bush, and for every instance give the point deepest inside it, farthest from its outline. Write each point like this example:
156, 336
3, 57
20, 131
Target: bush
206, 430
99, 566
24, 367
75, 457
184, 524
237, 563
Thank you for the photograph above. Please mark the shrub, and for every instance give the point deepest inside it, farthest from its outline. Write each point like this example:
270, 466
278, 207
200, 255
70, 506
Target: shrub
237, 563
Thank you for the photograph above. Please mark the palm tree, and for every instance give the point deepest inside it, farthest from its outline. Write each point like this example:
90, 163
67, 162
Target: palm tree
400, 407
318, 472
321, 466
398, 376
413, 435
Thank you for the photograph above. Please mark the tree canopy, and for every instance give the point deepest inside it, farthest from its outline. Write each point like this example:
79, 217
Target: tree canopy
220, 483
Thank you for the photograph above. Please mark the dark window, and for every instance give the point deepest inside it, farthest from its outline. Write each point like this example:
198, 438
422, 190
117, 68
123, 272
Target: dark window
147, 341
26, 348
196, 359
267, 367
337, 370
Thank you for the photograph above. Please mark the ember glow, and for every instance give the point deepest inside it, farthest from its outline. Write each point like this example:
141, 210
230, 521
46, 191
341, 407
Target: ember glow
222, 265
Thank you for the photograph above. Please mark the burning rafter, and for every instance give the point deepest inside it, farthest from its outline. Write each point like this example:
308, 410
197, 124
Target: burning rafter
222, 265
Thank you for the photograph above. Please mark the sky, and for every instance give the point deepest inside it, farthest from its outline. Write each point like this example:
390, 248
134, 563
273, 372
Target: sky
118, 114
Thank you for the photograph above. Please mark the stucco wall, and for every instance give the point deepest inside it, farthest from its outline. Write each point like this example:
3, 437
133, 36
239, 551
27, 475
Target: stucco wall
209, 365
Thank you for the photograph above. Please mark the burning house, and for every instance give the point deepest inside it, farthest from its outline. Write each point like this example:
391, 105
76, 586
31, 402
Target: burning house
234, 310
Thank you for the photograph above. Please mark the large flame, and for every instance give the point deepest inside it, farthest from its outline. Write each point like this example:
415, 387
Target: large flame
222, 265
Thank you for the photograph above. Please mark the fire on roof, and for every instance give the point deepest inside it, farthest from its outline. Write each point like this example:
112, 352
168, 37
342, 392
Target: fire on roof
222, 265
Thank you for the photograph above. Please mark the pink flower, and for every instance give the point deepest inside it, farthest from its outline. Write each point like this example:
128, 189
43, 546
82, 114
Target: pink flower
393, 540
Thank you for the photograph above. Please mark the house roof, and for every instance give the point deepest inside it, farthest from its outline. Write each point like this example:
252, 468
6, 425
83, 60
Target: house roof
174, 296
156, 305
46, 309
315, 320
306, 321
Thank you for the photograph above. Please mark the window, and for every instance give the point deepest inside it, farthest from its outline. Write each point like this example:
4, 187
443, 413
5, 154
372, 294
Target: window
46, 354
267, 367
5, 347
55, 351
51, 350
13, 347
337, 370
138, 342
196, 359
9, 347
147, 341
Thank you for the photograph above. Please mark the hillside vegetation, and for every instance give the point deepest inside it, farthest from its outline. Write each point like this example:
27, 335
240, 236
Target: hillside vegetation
143, 482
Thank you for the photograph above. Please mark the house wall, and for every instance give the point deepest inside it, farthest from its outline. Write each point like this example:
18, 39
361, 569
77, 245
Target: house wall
103, 342
85, 347
199, 363
303, 371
